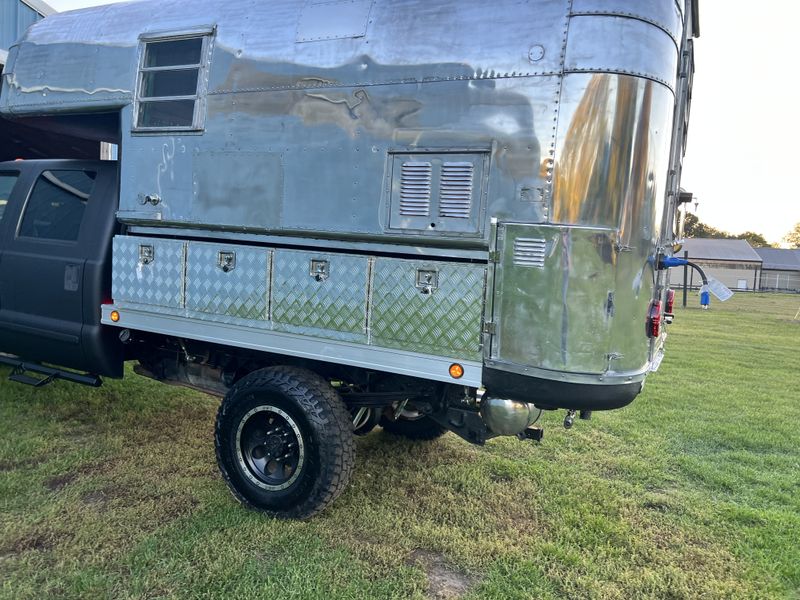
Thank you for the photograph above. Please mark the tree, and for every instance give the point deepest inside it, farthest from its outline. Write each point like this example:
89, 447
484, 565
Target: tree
756, 240
695, 228
793, 237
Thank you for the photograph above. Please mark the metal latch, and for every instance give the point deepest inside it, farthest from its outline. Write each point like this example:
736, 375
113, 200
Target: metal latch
146, 254
320, 269
153, 199
490, 328
427, 281
226, 261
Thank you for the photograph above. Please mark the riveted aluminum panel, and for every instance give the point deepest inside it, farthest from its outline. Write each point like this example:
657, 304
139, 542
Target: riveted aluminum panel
445, 320
240, 291
555, 317
621, 45
253, 196
413, 40
154, 281
612, 152
664, 13
336, 301
333, 20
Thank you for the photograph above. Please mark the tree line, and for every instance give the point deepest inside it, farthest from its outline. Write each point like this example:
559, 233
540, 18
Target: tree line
695, 228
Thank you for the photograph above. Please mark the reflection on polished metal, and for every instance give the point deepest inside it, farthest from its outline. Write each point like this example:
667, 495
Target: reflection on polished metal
508, 417
378, 152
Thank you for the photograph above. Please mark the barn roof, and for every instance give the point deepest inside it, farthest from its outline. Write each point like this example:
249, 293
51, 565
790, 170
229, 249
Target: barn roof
780, 259
726, 250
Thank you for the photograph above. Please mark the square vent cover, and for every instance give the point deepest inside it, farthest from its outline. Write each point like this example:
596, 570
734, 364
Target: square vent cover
438, 193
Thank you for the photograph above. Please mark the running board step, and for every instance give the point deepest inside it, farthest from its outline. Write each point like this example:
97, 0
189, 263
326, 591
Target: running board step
22, 371
28, 380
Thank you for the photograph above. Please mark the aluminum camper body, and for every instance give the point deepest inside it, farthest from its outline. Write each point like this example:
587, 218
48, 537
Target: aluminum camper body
394, 185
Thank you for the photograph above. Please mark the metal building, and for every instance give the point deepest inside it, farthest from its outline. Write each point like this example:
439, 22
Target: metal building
15, 17
781, 269
32, 138
733, 262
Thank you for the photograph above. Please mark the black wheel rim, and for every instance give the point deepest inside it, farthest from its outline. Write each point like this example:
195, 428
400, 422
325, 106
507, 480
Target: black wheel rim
270, 448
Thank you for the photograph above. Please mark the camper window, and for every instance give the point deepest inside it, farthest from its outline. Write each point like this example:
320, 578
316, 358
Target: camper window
170, 78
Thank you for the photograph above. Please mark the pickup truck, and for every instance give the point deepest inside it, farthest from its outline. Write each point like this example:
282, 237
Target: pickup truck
432, 216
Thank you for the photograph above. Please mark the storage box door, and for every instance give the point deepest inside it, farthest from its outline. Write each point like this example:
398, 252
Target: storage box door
227, 281
431, 308
148, 271
320, 294
554, 298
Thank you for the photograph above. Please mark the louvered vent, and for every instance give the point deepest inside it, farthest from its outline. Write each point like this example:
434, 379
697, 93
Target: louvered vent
415, 189
529, 252
455, 192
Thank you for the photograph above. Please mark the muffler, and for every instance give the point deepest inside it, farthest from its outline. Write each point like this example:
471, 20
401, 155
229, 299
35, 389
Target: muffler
508, 417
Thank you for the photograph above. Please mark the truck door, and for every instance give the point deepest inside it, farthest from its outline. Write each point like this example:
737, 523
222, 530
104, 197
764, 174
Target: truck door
54, 267
9, 178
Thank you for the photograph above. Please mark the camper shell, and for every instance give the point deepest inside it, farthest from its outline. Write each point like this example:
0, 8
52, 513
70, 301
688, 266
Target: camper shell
450, 194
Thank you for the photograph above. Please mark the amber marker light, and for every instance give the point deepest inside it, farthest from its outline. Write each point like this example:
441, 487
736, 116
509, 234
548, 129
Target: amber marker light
456, 371
115, 316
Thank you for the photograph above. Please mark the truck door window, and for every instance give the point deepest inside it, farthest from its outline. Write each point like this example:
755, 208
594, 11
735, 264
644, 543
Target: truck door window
7, 181
56, 206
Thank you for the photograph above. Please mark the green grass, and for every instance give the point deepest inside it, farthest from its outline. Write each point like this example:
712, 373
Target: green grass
693, 491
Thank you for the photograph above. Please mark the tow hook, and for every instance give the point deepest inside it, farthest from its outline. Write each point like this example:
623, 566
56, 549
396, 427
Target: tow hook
569, 420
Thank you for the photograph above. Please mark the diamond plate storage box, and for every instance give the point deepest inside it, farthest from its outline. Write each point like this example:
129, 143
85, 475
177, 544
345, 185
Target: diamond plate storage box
227, 280
326, 293
431, 305
149, 271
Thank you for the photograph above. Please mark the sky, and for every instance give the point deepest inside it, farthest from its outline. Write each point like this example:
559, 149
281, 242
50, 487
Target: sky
742, 156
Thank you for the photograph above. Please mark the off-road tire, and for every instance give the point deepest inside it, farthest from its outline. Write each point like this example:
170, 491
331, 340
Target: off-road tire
423, 428
323, 422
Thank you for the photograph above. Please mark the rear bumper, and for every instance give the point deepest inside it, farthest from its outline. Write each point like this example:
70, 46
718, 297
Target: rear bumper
551, 394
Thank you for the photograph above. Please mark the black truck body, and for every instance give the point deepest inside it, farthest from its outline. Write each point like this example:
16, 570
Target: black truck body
55, 263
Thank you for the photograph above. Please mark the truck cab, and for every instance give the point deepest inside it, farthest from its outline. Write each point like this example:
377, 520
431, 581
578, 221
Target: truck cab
57, 221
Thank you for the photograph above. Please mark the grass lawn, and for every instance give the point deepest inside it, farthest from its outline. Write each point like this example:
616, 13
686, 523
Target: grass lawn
692, 491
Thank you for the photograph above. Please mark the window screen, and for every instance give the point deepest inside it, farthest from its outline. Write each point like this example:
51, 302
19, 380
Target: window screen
57, 204
169, 83
7, 181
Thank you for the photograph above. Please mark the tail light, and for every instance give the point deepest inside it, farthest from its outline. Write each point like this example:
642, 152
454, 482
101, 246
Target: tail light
670, 302
654, 319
